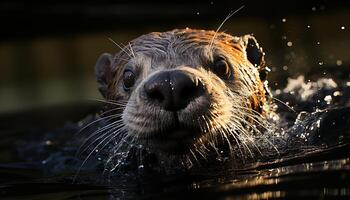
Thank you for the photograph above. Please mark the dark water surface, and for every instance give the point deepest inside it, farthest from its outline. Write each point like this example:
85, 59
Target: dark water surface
317, 175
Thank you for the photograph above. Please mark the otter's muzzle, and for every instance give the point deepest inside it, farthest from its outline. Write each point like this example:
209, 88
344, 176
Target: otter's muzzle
172, 90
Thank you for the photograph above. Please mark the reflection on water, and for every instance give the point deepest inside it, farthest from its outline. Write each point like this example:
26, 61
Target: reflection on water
325, 178
311, 173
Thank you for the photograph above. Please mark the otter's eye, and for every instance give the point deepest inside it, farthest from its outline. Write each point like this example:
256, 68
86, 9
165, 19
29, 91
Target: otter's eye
128, 79
221, 68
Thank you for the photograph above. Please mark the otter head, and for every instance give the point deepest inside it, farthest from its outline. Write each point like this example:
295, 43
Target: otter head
184, 90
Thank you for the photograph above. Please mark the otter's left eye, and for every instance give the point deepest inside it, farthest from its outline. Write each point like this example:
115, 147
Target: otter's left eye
128, 79
221, 68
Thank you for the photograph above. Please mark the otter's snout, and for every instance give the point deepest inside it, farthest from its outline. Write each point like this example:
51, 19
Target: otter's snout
172, 90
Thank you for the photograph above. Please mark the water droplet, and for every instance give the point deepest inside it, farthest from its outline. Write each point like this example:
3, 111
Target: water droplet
328, 99
212, 2
197, 13
337, 93
318, 123
284, 20
218, 158
99, 158
284, 37
289, 43
141, 166
313, 8
342, 28
308, 26
339, 62
285, 67
43, 162
320, 63
318, 43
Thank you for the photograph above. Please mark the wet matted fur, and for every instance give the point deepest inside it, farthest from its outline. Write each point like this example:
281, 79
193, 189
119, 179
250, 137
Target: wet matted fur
230, 114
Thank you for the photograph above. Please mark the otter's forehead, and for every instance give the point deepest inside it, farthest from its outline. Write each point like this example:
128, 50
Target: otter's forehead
183, 46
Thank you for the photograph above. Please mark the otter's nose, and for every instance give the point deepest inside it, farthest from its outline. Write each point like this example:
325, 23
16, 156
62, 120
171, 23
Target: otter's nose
172, 90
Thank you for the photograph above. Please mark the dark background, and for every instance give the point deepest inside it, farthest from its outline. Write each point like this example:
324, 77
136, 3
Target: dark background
48, 49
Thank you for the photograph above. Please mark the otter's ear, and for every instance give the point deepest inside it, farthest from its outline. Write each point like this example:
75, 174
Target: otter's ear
102, 72
255, 54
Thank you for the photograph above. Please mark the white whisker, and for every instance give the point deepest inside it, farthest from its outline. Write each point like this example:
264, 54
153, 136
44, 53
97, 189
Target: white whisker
222, 23
122, 49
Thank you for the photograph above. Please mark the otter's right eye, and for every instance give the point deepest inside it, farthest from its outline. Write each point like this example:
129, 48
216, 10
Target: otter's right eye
222, 68
128, 79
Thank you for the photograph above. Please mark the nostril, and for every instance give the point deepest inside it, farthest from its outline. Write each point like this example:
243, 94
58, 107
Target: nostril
189, 92
186, 89
157, 89
155, 94
186, 93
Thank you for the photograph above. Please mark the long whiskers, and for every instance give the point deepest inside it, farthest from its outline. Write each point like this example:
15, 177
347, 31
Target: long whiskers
110, 102
106, 118
108, 138
110, 128
283, 103
222, 23
121, 48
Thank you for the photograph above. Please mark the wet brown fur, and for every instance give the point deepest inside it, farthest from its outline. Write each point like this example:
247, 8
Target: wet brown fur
188, 41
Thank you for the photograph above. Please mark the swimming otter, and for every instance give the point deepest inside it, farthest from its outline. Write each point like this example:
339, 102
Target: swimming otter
186, 91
